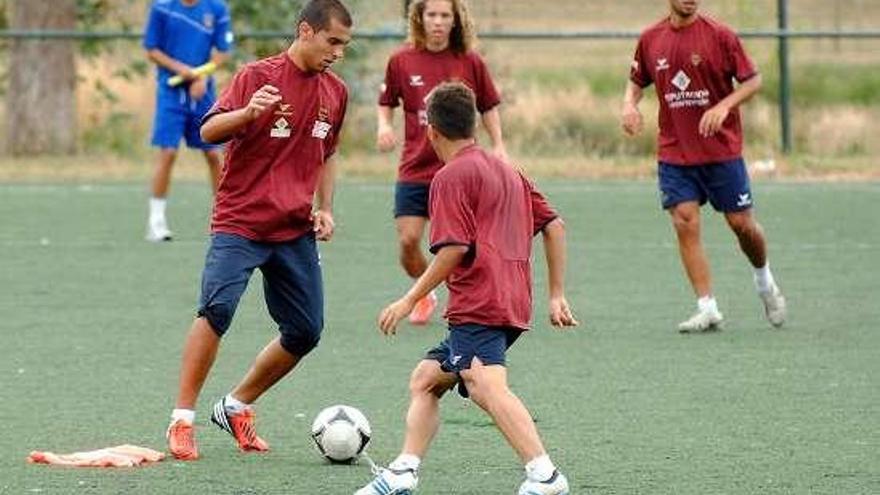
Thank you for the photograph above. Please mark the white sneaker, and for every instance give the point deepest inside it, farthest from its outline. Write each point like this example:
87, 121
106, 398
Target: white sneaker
556, 485
702, 321
391, 482
157, 231
774, 305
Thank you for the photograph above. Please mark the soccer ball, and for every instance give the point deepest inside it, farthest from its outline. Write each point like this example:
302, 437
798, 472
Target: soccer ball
341, 433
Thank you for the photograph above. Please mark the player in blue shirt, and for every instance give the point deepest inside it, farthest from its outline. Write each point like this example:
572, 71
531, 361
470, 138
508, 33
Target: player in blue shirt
180, 36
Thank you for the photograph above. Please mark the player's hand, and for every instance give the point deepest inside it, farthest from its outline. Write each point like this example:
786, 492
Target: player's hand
262, 100
713, 120
386, 141
391, 316
324, 225
184, 71
560, 313
631, 120
198, 88
501, 153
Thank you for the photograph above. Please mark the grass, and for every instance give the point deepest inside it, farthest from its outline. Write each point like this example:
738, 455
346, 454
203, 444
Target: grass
93, 321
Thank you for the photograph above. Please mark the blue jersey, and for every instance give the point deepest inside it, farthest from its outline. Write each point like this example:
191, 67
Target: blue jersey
187, 32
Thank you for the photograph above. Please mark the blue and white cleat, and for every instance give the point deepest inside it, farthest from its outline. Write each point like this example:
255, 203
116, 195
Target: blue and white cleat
391, 482
556, 485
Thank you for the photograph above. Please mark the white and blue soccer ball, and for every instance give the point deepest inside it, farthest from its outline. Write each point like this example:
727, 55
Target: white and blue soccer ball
341, 433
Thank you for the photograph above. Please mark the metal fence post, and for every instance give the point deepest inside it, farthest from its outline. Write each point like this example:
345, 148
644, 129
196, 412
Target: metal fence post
784, 77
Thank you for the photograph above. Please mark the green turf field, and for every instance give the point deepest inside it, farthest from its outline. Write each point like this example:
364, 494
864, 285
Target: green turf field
93, 320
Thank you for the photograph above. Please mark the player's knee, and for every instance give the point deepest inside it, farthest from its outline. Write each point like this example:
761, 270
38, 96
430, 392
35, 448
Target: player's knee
303, 339
218, 316
483, 389
742, 225
426, 380
686, 222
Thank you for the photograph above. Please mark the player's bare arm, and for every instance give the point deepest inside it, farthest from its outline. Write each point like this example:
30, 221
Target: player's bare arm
492, 123
561, 315
162, 59
714, 118
385, 139
441, 266
323, 215
222, 126
199, 86
631, 118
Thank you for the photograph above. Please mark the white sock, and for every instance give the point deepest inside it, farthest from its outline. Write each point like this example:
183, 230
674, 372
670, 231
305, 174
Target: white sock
234, 405
187, 415
405, 461
764, 278
157, 209
540, 468
707, 304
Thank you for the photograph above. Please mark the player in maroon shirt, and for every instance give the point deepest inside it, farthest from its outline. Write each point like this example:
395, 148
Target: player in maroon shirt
281, 117
440, 48
484, 215
693, 61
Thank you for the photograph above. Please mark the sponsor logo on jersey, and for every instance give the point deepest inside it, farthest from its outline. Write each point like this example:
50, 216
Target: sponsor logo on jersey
686, 97
321, 129
681, 80
662, 64
285, 109
416, 80
281, 129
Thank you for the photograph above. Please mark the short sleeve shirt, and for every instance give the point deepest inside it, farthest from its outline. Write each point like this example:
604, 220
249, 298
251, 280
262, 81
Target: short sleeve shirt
480, 202
187, 32
410, 76
693, 68
273, 165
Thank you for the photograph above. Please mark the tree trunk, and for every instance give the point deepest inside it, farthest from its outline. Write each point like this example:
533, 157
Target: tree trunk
41, 98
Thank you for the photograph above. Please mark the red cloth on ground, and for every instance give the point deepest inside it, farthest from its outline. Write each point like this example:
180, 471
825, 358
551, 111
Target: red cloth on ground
119, 456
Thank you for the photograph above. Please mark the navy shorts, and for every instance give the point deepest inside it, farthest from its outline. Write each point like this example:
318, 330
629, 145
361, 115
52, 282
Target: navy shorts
292, 286
470, 340
411, 199
179, 116
724, 184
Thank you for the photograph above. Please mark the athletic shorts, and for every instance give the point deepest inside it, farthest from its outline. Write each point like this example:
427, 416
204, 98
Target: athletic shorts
292, 286
467, 341
179, 116
724, 184
411, 199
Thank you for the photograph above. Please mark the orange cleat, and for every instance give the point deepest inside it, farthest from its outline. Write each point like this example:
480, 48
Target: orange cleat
182, 441
240, 426
421, 313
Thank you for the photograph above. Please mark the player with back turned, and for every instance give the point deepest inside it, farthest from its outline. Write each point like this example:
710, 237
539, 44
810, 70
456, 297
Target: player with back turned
484, 215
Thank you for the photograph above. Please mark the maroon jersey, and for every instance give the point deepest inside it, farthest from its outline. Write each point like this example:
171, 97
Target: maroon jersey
480, 202
273, 164
693, 68
412, 74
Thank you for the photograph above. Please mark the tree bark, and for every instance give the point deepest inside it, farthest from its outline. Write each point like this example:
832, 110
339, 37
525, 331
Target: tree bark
41, 113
